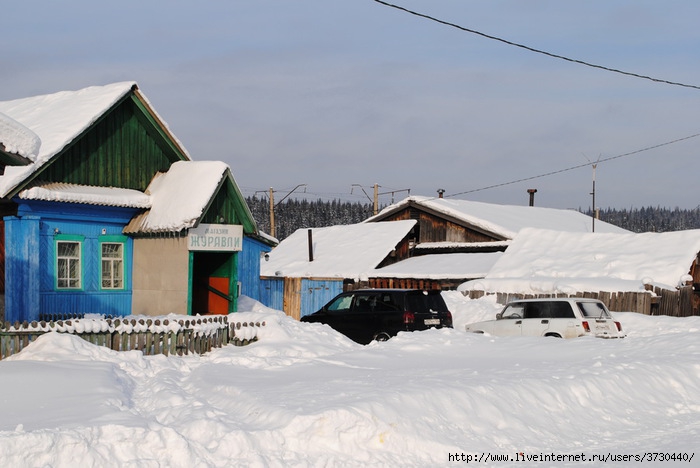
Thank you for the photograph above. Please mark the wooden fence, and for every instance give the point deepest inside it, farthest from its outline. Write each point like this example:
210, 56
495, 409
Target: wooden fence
152, 335
410, 283
682, 302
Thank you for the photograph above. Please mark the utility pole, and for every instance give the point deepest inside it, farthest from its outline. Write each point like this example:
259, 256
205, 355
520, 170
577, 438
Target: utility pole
593, 201
271, 194
272, 213
376, 198
594, 213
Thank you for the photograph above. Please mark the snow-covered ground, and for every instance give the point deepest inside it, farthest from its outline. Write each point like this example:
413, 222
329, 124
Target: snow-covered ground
305, 396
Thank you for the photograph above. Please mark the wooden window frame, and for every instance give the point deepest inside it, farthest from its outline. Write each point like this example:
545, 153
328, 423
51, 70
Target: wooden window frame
111, 240
69, 239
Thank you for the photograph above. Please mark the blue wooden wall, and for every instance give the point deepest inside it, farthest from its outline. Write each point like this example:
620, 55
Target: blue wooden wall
272, 292
249, 267
317, 293
30, 260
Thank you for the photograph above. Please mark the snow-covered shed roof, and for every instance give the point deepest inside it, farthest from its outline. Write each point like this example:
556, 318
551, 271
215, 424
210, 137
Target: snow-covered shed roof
346, 251
440, 266
547, 261
38, 128
501, 220
86, 194
179, 197
174, 201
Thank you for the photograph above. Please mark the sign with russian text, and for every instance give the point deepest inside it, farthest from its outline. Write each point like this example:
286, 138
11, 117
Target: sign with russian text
216, 237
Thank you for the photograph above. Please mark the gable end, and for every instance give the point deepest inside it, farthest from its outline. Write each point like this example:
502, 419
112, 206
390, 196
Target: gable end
124, 148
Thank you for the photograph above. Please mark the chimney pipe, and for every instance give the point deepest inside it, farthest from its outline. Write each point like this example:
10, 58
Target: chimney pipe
532, 193
440, 192
311, 246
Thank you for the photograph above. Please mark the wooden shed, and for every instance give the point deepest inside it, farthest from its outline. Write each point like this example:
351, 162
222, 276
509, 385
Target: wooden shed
312, 266
453, 226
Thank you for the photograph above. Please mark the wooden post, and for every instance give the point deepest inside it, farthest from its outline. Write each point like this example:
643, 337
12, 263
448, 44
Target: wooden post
272, 213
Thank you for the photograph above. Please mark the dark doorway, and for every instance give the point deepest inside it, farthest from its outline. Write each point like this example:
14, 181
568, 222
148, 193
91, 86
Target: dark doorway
213, 283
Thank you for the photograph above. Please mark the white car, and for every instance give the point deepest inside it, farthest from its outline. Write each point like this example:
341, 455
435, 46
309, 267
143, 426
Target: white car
558, 317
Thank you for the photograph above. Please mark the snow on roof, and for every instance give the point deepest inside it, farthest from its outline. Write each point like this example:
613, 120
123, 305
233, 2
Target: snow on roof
40, 127
179, 196
440, 266
18, 139
504, 220
547, 261
472, 246
89, 195
56, 119
347, 251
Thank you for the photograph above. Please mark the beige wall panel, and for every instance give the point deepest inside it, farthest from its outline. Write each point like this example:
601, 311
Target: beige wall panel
160, 276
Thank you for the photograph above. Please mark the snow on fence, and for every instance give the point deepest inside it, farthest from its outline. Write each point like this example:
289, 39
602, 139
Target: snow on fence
676, 303
151, 335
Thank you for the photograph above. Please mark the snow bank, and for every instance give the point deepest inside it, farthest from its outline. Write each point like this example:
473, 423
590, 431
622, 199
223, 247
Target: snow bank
306, 396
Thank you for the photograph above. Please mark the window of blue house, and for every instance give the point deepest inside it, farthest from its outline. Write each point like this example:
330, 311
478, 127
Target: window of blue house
113, 260
69, 264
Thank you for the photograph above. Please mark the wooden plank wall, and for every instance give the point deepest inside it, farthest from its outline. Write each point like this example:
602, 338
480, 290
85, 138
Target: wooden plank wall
292, 297
409, 283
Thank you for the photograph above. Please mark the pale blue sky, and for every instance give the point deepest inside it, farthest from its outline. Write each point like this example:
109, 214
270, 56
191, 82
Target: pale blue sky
332, 93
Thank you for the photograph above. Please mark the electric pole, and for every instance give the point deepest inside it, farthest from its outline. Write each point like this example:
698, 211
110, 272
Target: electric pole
272, 213
376, 198
271, 195
593, 201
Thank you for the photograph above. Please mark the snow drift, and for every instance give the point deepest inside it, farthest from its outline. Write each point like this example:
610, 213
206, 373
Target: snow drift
306, 396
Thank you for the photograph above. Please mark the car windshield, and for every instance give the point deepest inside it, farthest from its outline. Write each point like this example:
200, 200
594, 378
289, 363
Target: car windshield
513, 311
593, 310
340, 303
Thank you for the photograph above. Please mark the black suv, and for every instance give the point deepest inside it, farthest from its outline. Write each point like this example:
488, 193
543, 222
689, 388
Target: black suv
378, 314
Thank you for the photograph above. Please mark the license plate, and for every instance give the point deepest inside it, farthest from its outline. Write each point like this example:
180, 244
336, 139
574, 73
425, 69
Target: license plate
431, 321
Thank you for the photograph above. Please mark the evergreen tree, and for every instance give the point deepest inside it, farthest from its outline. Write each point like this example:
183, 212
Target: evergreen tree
291, 215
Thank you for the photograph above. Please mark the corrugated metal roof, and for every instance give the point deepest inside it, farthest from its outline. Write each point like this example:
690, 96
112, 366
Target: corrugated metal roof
86, 194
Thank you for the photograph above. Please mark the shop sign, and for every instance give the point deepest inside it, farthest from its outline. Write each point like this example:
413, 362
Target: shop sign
216, 237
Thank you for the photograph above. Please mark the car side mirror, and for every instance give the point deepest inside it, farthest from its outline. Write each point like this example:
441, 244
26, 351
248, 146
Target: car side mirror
499, 316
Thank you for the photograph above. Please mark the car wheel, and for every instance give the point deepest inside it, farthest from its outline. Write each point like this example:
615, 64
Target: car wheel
381, 336
553, 335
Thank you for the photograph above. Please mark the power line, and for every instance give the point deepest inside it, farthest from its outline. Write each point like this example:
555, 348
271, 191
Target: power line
532, 49
576, 167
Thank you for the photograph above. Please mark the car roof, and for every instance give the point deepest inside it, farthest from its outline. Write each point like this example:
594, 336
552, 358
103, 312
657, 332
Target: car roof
392, 289
556, 299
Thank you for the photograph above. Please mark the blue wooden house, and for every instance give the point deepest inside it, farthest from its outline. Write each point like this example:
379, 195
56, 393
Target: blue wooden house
105, 212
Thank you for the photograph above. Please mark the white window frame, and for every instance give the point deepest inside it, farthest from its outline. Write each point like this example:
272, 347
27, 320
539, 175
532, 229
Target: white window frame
71, 265
113, 269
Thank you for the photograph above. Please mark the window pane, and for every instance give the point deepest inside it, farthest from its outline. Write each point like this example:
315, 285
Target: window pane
68, 264
68, 249
112, 265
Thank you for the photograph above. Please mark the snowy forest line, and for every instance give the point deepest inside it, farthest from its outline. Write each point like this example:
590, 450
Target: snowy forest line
291, 215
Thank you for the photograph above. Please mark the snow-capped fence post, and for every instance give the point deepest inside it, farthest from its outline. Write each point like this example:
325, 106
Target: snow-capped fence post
244, 333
